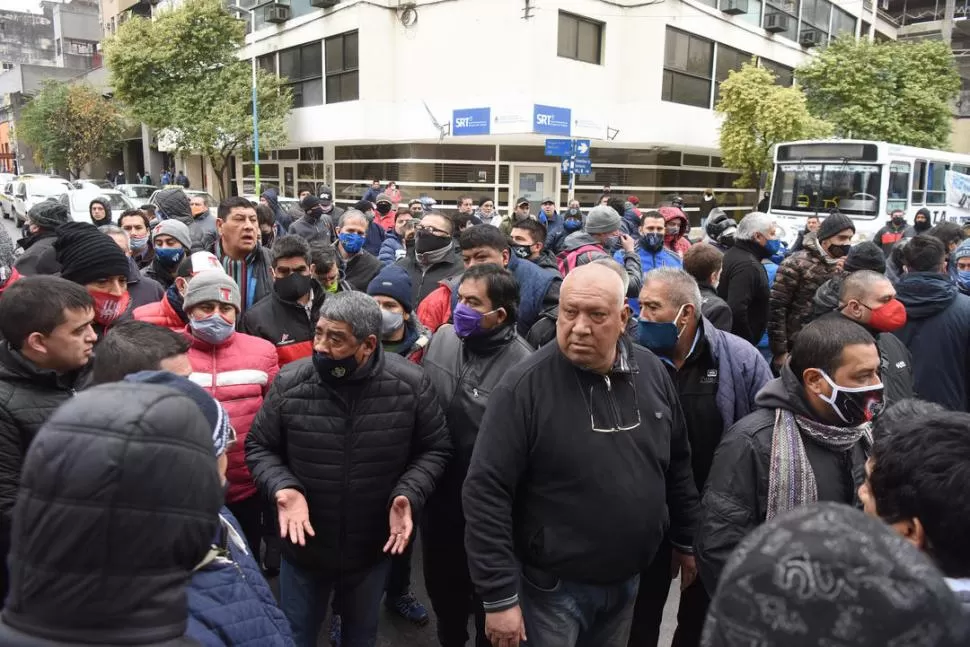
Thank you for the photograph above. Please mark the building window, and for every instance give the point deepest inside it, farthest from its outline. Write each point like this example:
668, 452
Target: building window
728, 59
784, 76
580, 39
302, 68
267, 63
842, 23
343, 79
688, 65
782, 15
80, 48
816, 15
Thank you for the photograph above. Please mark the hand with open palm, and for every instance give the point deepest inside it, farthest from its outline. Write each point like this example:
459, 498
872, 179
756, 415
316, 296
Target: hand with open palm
401, 526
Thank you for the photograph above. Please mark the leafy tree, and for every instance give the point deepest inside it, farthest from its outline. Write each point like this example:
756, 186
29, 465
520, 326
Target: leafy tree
70, 126
179, 73
898, 91
758, 114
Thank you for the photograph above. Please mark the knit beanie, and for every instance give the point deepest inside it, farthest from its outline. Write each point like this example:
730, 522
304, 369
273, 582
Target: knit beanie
177, 230
86, 255
866, 256
214, 413
49, 214
393, 281
833, 224
174, 203
962, 251
602, 219
383, 198
212, 286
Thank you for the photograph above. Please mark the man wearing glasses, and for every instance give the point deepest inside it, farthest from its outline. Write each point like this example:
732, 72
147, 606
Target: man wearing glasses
581, 466
433, 257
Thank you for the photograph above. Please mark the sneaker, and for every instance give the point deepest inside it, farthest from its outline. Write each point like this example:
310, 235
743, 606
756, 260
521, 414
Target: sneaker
408, 607
335, 630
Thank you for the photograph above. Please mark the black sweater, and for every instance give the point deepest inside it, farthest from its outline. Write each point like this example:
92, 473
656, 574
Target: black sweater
546, 490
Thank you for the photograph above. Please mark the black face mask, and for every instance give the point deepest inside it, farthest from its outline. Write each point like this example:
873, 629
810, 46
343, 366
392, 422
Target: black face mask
383, 208
838, 251
334, 371
425, 241
899, 221
294, 287
522, 251
921, 225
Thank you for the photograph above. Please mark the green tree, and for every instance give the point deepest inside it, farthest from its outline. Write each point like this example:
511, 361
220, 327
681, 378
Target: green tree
70, 126
898, 91
180, 73
758, 114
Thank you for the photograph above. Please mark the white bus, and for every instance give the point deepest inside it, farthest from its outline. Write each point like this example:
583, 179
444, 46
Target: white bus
865, 180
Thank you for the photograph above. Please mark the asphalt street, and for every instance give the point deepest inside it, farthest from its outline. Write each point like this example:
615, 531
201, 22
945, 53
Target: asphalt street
397, 632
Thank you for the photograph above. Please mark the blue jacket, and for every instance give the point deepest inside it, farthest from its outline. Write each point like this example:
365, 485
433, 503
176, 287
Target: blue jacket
771, 268
230, 603
630, 223
649, 261
742, 370
553, 227
538, 291
374, 238
283, 219
937, 333
389, 249
370, 195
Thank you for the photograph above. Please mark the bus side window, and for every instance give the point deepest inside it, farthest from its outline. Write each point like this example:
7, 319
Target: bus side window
919, 182
936, 183
898, 186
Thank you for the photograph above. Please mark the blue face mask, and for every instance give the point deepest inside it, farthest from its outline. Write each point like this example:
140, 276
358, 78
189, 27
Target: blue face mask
652, 242
963, 279
351, 242
659, 336
169, 257
773, 246
212, 329
572, 225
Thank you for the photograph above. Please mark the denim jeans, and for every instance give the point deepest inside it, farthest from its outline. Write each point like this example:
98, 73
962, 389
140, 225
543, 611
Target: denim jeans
560, 613
304, 596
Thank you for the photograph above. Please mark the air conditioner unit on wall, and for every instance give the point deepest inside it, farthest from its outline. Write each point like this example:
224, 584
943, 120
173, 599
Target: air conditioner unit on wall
734, 7
325, 4
810, 38
776, 22
276, 13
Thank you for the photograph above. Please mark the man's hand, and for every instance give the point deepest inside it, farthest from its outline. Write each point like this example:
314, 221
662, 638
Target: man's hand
294, 516
627, 242
401, 526
685, 565
505, 628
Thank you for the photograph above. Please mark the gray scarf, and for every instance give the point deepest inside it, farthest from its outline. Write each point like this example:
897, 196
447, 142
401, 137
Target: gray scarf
427, 259
791, 480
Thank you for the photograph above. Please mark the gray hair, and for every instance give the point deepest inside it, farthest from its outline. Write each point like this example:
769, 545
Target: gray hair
349, 214
754, 223
115, 230
858, 283
681, 287
616, 267
354, 308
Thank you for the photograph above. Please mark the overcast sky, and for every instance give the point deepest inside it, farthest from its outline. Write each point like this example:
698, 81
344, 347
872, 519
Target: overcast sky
21, 5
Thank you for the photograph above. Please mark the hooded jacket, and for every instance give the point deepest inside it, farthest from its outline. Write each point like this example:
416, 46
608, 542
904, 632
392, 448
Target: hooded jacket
391, 248
678, 244
798, 279
288, 325
118, 504
238, 374
350, 448
554, 225
630, 224
736, 494
108, 220
937, 321
38, 255
630, 260
272, 197
744, 285
313, 227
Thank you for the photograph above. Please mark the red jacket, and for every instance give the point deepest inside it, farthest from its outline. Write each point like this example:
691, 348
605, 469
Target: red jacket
244, 368
434, 311
160, 313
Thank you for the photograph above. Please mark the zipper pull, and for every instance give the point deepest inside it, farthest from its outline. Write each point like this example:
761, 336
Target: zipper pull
609, 386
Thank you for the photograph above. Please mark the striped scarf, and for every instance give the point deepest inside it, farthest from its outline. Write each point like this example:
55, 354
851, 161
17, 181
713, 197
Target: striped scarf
238, 271
791, 480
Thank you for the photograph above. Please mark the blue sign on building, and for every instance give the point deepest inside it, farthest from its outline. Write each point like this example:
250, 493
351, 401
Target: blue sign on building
582, 166
550, 120
471, 121
582, 148
559, 147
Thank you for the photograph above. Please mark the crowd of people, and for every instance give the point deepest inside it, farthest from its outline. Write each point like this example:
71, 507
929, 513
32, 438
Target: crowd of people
573, 409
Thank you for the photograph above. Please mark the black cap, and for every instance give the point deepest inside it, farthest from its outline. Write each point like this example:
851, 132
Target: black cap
310, 202
522, 201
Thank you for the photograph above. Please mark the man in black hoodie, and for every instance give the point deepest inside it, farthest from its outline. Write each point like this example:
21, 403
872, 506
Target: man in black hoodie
744, 281
120, 502
808, 441
37, 245
560, 515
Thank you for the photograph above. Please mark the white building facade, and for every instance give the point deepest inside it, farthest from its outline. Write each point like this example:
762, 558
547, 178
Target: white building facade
457, 97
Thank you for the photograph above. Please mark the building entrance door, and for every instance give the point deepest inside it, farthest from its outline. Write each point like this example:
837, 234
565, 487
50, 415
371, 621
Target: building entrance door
535, 183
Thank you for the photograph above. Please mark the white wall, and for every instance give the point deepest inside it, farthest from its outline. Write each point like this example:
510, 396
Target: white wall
478, 53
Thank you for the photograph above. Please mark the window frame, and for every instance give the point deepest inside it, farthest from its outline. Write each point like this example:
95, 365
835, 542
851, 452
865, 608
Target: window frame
299, 98
671, 72
577, 51
344, 71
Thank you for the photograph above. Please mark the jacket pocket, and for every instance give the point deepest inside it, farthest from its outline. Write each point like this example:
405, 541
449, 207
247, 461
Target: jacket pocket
540, 580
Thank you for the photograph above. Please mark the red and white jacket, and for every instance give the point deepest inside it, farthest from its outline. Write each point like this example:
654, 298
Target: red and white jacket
238, 374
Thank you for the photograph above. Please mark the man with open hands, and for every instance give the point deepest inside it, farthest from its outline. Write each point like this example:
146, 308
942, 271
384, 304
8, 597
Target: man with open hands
349, 444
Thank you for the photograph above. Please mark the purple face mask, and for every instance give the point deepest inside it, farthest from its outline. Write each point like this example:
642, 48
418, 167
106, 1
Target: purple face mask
467, 321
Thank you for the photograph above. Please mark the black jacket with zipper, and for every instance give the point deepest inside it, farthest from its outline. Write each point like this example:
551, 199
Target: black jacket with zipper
425, 280
350, 449
577, 474
736, 494
744, 285
287, 325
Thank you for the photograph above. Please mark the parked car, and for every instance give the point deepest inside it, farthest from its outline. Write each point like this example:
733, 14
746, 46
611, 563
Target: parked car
209, 200
139, 193
92, 184
6, 199
29, 190
78, 202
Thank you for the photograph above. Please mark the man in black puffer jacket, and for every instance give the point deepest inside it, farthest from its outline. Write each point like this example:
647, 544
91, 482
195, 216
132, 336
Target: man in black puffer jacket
46, 327
349, 444
120, 502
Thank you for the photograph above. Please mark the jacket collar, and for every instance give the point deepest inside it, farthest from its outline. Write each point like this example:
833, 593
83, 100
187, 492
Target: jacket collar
753, 248
13, 365
494, 341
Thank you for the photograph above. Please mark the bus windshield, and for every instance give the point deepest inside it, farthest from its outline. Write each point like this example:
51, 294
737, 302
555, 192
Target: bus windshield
853, 189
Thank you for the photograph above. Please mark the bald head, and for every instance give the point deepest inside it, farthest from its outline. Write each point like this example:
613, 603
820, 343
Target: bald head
599, 276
